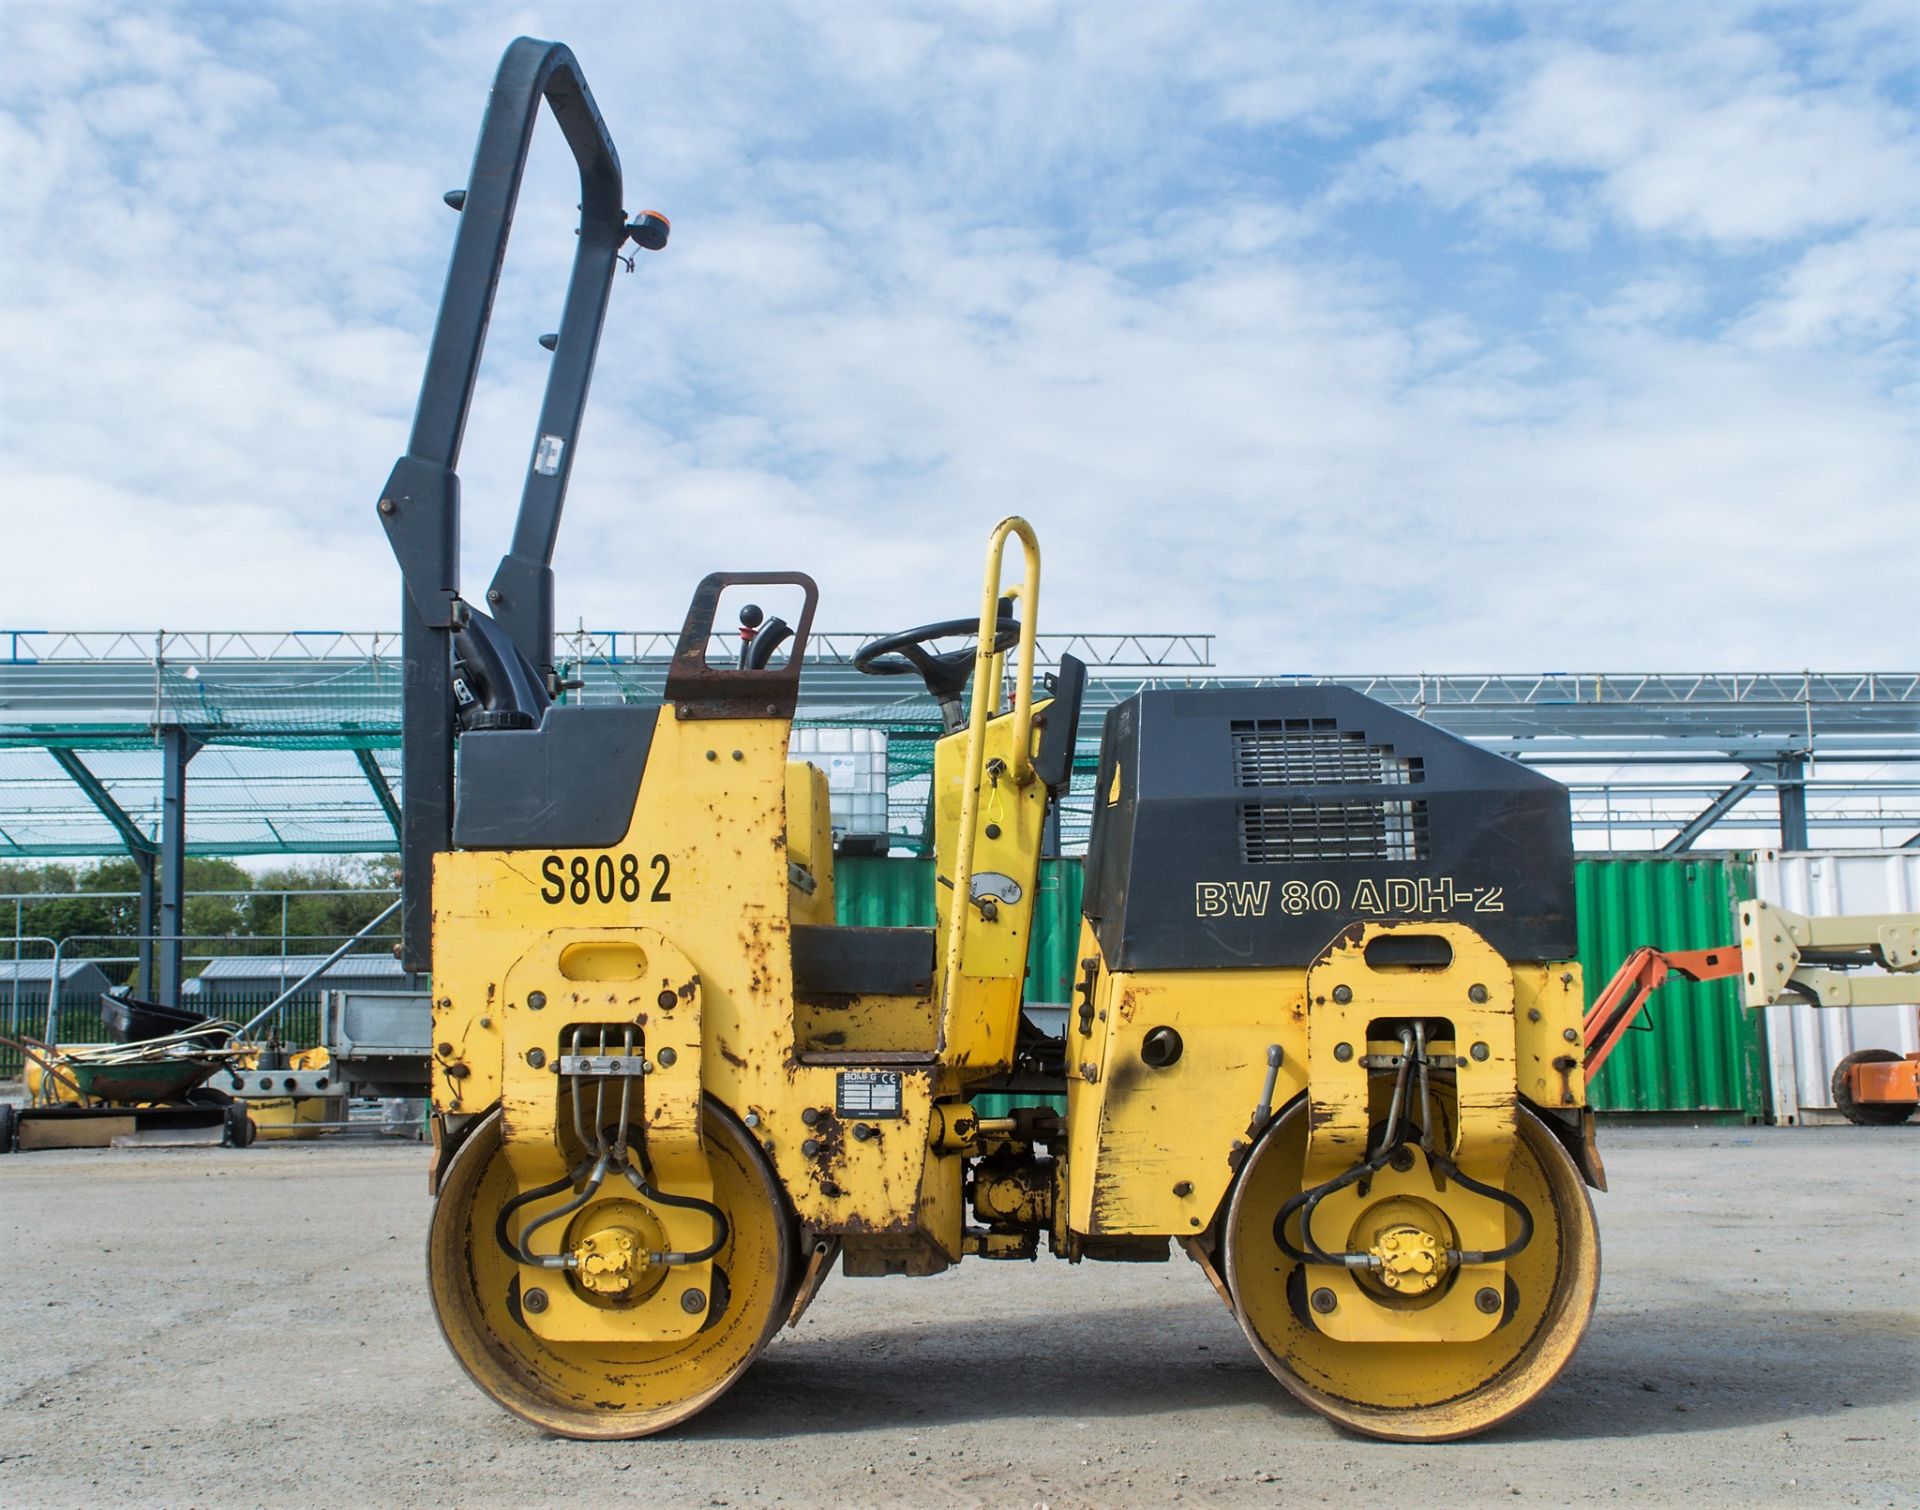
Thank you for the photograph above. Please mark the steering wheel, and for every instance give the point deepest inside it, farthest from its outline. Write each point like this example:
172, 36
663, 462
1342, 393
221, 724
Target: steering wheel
944, 673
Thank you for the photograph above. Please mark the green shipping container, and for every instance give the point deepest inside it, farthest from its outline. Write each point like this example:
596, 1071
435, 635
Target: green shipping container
887, 893
1695, 1050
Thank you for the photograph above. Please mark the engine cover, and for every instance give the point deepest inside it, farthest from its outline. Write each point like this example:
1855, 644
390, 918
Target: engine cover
1243, 829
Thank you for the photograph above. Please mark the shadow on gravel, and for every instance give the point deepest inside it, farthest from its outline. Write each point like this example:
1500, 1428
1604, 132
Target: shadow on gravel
1638, 1374
1119, 1362
1662, 1372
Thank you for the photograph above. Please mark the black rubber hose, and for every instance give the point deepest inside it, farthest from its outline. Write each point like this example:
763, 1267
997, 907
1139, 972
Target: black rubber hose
1314, 1253
1310, 1199
539, 1193
1506, 1198
643, 1182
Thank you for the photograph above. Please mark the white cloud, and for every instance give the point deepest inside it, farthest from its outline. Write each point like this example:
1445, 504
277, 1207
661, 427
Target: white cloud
1866, 287
1108, 268
1713, 136
1727, 158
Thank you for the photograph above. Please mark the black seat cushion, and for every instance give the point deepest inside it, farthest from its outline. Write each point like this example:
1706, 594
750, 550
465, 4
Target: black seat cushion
832, 960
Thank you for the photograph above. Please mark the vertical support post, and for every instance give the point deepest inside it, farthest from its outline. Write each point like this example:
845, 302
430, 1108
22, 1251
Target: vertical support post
177, 747
426, 776
13, 1014
139, 844
1790, 775
149, 899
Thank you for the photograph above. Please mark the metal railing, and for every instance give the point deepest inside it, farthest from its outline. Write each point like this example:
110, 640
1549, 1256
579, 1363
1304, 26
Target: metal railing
29, 647
286, 1006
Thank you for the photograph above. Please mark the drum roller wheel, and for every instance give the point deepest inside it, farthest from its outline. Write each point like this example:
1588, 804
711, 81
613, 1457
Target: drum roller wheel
1420, 1391
596, 1391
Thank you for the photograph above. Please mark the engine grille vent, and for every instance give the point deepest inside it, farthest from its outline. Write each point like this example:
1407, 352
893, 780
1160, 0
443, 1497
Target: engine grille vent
1283, 833
1314, 752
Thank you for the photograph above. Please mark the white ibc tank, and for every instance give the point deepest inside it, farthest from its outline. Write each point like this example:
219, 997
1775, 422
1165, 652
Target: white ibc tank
855, 761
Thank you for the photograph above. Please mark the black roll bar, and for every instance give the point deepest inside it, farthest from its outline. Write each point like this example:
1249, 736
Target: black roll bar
420, 505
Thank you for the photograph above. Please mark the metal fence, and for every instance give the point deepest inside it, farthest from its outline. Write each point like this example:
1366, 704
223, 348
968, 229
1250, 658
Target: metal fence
52, 1012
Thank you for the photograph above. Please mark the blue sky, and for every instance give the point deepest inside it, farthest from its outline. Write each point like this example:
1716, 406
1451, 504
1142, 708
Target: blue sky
1455, 337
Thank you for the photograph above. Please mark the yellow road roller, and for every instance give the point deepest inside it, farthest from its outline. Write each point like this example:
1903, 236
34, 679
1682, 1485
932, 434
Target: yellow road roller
1325, 1034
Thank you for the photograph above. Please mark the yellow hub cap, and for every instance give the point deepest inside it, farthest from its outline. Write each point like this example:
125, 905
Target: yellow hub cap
602, 1389
1410, 1259
1418, 1391
610, 1241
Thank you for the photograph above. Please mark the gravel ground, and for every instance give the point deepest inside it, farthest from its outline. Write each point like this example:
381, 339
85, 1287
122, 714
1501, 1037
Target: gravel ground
213, 1327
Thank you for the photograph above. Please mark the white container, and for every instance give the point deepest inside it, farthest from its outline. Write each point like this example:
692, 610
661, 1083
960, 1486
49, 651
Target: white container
855, 761
1804, 1042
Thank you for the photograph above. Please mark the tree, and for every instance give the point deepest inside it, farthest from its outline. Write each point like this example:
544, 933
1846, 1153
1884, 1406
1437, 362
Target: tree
321, 920
97, 908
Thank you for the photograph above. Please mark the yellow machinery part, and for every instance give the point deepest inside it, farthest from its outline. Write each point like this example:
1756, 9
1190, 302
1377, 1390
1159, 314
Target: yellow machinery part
605, 1390
1419, 1391
1153, 1150
809, 844
34, 1080
280, 1117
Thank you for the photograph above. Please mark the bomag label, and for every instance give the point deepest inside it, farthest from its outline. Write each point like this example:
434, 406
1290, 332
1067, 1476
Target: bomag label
1390, 896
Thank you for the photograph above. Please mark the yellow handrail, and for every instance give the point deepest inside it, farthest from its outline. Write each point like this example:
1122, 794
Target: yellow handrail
1007, 595
986, 696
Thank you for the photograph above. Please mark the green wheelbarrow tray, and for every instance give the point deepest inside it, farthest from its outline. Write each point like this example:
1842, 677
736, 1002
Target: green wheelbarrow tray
139, 1080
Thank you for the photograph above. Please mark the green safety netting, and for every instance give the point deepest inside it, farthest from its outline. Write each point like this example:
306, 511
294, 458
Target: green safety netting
293, 754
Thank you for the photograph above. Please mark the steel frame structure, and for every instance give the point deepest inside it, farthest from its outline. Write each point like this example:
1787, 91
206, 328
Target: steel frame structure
114, 719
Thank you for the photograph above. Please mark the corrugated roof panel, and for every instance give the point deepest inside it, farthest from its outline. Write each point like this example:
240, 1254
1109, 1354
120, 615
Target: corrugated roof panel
293, 966
27, 971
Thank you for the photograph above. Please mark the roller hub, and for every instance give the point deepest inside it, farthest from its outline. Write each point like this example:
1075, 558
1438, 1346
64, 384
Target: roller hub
611, 1242
1409, 1260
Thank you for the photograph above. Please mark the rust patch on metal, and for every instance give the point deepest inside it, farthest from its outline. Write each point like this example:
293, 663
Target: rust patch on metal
855, 1225
1348, 938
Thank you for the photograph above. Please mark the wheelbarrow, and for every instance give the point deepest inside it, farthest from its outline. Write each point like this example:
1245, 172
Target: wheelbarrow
124, 1096
139, 1081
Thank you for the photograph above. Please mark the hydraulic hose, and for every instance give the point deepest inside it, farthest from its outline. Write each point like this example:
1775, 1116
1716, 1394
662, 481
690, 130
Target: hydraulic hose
1392, 1139
1390, 1142
1505, 1197
641, 1179
507, 1244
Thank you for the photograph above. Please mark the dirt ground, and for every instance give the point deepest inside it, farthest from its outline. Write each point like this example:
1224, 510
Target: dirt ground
215, 1327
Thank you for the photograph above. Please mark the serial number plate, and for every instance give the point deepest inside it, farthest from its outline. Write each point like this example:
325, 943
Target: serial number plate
604, 878
868, 1093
